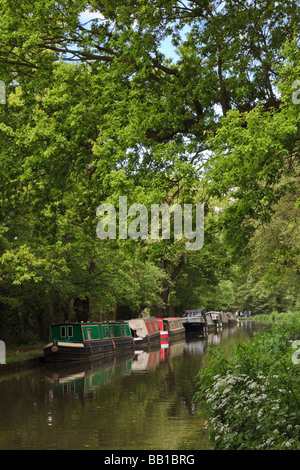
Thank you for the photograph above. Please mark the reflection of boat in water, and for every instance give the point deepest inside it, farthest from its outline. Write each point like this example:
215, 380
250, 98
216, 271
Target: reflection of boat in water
81, 379
213, 339
144, 360
196, 346
150, 358
144, 331
175, 348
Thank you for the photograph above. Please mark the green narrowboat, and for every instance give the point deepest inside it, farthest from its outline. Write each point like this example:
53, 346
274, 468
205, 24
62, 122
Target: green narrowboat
84, 341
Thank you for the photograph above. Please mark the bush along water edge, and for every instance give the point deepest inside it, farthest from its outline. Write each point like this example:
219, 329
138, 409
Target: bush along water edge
252, 400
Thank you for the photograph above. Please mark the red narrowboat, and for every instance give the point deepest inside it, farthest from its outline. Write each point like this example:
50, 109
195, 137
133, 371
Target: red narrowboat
144, 331
171, 328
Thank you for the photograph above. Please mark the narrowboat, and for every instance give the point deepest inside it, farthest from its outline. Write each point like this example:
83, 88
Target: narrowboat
84, 341
194, 320
216, 318
231, 318
171, 328
144, 331
210, 325
224, 319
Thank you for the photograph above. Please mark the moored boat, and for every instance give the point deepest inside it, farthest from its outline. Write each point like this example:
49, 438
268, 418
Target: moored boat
85, 341
144, 331
224, 319
194, 320
216, 318
231, 318
171, 328
210, 325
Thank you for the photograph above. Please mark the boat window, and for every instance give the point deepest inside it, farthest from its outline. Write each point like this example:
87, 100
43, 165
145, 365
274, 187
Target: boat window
63, 332
89, 333
70, 330
112, 332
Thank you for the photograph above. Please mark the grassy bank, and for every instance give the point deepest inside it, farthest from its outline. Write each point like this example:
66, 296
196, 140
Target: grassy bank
253, 399
23, 353
273, 317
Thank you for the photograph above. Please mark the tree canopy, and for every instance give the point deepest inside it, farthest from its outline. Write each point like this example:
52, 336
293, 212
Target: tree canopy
96, 109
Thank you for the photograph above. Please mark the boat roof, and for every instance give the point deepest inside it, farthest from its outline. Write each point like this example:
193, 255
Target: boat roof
170, 318
112, 322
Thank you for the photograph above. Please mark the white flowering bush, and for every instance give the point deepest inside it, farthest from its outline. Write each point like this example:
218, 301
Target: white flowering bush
253, 399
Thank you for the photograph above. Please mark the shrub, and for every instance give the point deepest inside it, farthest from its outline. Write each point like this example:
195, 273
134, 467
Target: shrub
253, 398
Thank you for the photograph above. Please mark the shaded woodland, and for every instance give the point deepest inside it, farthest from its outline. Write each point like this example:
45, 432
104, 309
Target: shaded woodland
96, 109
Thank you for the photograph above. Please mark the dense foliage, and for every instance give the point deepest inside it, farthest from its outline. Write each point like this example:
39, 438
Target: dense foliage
252, 399
96, 108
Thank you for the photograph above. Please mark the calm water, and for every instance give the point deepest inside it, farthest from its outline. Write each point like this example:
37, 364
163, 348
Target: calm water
140, 402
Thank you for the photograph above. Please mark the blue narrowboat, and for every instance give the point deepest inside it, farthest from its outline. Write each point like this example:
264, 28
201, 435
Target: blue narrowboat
194, 320
84, 341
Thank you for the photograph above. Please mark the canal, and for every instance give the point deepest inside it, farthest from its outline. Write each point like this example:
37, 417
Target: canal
142, 401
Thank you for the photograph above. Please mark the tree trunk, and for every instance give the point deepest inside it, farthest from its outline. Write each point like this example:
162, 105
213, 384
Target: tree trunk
81, 309
167, 287
56, 313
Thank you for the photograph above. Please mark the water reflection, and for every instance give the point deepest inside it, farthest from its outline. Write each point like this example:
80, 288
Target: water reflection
82, 379
143, 400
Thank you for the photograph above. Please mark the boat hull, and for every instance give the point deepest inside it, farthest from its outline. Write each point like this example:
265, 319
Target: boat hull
171, 329
176, 334
149, 339
58, 351
192, 325
144, 331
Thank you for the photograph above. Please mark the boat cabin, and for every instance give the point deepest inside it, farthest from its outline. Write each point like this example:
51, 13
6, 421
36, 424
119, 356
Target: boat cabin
144, 329
209, 320
224, 319
216, 318
81, 341
82, 332
231, 318
172, 326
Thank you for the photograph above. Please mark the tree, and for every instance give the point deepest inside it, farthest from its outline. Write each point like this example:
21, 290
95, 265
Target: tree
95, 110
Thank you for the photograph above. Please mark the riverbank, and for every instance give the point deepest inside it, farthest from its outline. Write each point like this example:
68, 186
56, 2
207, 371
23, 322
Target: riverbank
23, 356
252, 399
46, 407
268, 317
